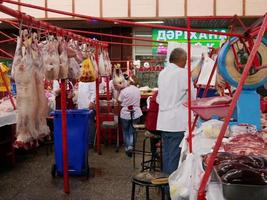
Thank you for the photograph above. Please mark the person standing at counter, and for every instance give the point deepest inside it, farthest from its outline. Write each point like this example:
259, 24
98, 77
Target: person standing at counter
85, 100
129, 98
173, 116
86, 95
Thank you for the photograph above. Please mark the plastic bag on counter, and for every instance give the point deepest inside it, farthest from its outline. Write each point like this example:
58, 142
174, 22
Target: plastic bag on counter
243, 129
180, 179
197, 174
212, 128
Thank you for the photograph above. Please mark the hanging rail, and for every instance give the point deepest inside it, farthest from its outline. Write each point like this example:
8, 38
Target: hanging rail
123, 22
204, 181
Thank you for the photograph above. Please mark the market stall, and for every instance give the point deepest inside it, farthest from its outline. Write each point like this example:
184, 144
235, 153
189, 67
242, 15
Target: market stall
238, 81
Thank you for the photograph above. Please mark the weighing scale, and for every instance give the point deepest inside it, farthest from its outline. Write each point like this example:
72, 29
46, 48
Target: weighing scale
231, 60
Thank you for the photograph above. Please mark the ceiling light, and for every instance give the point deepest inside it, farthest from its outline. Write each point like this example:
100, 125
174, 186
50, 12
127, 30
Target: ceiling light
141, 35
150, 22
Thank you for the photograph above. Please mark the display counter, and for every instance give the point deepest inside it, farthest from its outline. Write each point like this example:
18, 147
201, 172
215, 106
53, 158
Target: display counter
7, 118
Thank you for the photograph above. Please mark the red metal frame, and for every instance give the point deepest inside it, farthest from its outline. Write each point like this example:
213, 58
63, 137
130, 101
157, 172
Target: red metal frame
201, 191
6, 53
206, 90
64, 136
189, 85
249, 32
123, 22
116, 36
98, 134
50, 28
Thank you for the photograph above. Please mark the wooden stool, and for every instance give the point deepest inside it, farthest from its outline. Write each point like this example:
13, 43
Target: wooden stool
145, 179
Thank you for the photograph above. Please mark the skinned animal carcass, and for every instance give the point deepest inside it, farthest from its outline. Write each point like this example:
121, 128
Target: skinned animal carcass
117, 77
63, 58
28, 73
51, 59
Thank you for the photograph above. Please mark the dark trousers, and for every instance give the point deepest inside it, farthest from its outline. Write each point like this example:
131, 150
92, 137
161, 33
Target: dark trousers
171, 150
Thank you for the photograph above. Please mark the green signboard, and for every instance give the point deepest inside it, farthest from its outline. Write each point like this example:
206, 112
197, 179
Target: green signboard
203, 39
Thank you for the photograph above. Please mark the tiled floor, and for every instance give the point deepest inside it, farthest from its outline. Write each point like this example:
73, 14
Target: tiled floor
31, 178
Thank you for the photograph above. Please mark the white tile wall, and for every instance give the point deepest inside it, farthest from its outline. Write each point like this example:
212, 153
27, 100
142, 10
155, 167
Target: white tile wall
169, 8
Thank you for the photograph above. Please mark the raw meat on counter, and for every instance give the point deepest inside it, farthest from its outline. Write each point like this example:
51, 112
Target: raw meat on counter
238, 169
247, 144
217, 101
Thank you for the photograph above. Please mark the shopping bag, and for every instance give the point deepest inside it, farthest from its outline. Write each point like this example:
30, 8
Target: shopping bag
180, 179
88, 71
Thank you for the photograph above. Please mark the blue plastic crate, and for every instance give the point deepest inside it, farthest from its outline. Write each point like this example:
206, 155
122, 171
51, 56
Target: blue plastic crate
77, 137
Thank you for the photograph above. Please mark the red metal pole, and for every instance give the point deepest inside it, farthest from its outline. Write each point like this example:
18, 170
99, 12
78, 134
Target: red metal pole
98, 135
122, 22
64, 136
107, 84
7, 58
7, 89
38, 24
116, 36
204, 181
4, 34
131, 44
8, 40
189, 84
6, 53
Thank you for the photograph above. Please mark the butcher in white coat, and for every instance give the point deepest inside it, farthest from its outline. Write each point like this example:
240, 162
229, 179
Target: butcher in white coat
85, 100
172, 116
86, 95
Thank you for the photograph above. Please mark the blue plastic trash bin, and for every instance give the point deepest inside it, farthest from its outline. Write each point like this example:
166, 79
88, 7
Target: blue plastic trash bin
77, 137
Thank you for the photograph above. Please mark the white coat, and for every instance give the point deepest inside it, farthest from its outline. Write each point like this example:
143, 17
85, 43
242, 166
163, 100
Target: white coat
173, 88
86, 94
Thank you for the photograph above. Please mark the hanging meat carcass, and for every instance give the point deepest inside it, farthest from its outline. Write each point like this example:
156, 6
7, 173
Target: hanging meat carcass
108, 66
76, 51
93, 59
63, 58
117, 77
51, 59
74, 71
32, 104
104, 63
101, 64
75, 57
42, 111
24, 76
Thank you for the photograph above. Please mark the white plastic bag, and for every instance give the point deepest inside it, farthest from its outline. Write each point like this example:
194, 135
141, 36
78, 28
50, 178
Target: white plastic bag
180, 179
212, 128
197, 174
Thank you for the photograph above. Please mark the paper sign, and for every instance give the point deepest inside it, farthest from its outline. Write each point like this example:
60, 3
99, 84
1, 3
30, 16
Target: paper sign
206, 71
196, 52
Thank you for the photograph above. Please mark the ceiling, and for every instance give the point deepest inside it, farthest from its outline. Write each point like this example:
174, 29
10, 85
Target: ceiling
177, 22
